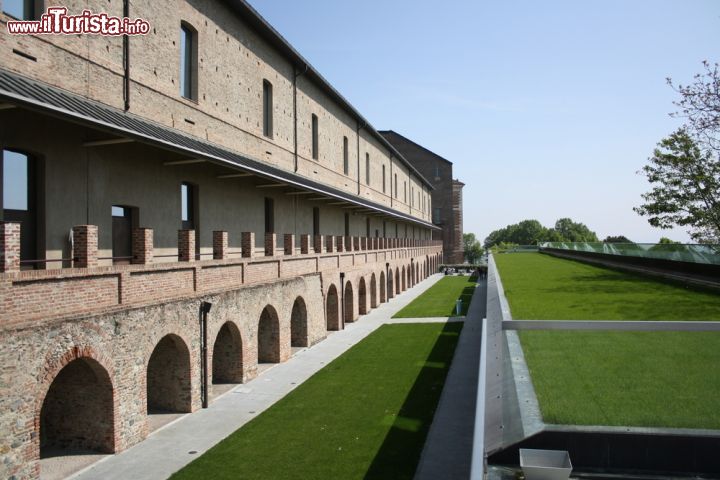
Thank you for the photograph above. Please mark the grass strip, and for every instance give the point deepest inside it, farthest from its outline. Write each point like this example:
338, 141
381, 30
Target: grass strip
646, 379
439, 300
365, 415
542, 287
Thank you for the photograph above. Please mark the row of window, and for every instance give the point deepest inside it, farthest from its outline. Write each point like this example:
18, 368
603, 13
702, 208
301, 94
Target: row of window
188, 89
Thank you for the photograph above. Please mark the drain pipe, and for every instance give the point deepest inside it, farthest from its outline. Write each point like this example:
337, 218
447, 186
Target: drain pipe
204, 310
126, 59
295, 126
342, 300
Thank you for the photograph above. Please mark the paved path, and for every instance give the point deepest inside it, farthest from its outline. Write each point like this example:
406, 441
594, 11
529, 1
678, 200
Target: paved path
448, 448
169, 449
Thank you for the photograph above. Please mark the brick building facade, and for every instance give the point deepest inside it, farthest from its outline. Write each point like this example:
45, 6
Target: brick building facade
446, 197
200, 181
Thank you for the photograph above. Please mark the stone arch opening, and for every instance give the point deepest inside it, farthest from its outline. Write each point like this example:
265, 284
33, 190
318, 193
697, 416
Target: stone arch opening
331, 309
168, 377
383, 286
362, 297
403, 278
373, 291
268, 337
298, 324
349, 311
227, 361
77, 413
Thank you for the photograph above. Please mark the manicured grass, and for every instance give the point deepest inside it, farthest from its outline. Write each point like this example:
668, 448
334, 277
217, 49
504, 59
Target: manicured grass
650, 379
439, 300
541, 287
365, 415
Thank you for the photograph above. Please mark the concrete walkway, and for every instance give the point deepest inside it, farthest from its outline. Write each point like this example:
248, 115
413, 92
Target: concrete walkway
448, 448
170, 448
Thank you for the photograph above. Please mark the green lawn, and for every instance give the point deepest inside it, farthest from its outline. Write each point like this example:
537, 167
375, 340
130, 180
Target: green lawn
541, 287
365, 415
439, 300
649, 379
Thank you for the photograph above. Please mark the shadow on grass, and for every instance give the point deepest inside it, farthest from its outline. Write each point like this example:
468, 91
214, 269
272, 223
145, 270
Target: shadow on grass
399, 453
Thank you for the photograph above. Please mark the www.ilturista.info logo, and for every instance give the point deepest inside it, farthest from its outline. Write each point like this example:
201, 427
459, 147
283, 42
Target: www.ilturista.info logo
56, 21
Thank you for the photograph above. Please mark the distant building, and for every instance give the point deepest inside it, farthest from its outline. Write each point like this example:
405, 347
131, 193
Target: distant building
446, 198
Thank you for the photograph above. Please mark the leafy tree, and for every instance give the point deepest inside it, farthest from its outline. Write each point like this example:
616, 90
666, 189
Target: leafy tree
667, 241
574, 231
700, 105
685, 191
472, 248
617, 239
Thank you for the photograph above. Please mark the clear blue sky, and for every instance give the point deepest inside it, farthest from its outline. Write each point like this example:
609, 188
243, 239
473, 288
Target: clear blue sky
546, 109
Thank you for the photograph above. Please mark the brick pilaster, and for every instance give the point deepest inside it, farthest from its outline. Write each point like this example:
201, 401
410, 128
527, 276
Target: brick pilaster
85, 245
318, 243
247, 244
142, 245
9, 246
270, 242
289, 244
186, 245
220, 245
304, 244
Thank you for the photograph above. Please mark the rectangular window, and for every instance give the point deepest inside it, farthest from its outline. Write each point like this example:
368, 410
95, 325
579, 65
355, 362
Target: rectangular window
269, 215
122, 223
315, 153
20, 9
15, 181
367, 227
346, 159
436, 216
316, 220
437, 172
383, 175
188, 64
405, 192
267, 109
412, 197
187, 206
396, 189
367, 169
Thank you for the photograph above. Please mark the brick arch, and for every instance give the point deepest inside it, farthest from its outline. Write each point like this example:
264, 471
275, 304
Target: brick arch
298, 323
102, 368
349, 302
227, 354
362, 297
168, 375
373, 291
383, 287
332, 306
268, 336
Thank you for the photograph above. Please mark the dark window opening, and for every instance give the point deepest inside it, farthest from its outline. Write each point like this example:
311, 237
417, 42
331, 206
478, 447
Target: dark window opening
316, 221
346, 159
269, 215
22, 9
367, 169
383, 175
122, 225
267, 109
347, 224
187, 206
19, 200
315, 153
188, 62
405, 192
367, 227
396, 186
